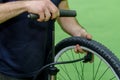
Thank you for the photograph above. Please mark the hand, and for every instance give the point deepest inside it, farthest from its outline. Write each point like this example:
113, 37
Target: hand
82, 33
44, 8
78, 49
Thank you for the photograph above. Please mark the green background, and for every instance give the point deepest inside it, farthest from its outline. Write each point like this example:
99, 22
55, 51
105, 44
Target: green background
101, 18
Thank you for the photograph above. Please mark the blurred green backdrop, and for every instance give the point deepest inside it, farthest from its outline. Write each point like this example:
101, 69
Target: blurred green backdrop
101, 18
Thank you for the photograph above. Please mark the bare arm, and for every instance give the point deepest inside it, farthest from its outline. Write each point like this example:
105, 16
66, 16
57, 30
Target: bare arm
44, 8
10, 10
70, 24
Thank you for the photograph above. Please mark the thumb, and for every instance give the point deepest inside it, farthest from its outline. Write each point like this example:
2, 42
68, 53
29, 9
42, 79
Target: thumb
88, 36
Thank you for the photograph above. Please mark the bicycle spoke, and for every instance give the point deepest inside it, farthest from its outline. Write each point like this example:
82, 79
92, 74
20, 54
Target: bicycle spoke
83, 72
65, 69
97, 69
103, 73
112, 78
82, 66
62, 77
75, 66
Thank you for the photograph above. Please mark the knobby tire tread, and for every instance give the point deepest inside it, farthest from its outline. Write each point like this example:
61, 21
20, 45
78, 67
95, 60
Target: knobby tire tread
103, 51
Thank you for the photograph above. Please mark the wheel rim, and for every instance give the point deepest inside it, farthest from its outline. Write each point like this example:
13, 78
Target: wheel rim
97, 70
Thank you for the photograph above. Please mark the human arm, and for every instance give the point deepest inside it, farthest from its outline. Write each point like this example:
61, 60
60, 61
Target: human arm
71, 25
11, 9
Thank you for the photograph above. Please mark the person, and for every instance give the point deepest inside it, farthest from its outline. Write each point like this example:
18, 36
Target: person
24, 43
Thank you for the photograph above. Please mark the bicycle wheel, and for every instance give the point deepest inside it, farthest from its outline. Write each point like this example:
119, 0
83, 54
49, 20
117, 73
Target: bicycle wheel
105, 66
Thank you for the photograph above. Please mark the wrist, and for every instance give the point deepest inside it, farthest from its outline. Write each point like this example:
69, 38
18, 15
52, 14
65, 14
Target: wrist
26, 5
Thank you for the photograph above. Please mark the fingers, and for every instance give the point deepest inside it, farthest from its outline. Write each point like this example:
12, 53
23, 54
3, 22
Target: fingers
47, 15
50, 12
88, 36
84, 34
44, 8
44, 16
78, 49
41, 16
54, 11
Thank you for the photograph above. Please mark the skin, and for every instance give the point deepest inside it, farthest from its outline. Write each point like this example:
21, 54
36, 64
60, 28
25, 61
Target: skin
46, 11
67, 24
44, 8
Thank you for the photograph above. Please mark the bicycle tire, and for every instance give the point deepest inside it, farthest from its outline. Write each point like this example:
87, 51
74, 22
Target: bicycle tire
104, 60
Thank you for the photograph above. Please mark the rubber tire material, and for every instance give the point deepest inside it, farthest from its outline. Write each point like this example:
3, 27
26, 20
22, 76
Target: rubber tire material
93, 45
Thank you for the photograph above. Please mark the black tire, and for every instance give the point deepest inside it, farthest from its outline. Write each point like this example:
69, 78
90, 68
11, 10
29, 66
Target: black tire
106, 65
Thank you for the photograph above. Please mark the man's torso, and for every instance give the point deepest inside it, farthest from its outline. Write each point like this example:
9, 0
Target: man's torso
23, 45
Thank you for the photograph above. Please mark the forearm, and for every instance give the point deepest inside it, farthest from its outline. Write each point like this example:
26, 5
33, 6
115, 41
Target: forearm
11, 9
69, 24
44, 8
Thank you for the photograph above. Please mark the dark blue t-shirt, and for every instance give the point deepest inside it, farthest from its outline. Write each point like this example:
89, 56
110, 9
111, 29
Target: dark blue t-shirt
23, 45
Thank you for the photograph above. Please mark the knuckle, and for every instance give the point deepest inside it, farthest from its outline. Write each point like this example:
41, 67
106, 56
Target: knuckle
41, 19
47, 17
55, 11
